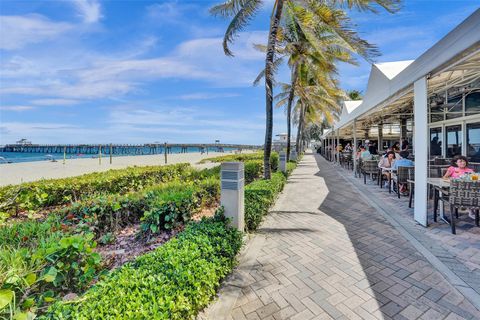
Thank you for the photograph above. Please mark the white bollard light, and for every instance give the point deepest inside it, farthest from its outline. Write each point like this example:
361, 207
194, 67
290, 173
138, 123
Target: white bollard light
293, 155
232, 196
283, 161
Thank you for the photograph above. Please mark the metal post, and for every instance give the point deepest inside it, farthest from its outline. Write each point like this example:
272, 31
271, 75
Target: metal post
165, 149
100, 154
380, 138
232, 192
111, 153
420, 112
64, 154
403, 131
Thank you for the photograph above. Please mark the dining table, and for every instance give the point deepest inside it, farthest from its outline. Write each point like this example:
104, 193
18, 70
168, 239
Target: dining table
439, 185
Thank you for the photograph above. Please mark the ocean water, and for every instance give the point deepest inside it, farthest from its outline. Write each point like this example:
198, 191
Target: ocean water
14, 157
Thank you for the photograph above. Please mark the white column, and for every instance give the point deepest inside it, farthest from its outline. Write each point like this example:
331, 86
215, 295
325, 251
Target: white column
283, 161
354, 152
232, 192
420, 112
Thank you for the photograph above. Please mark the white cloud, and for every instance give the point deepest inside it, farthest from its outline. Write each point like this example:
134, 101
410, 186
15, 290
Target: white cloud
96, 76
54, 102
16, 108
88, 10
19, 31
207, 96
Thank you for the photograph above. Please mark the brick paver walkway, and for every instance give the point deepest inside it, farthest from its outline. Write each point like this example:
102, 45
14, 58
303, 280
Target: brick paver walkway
325, 253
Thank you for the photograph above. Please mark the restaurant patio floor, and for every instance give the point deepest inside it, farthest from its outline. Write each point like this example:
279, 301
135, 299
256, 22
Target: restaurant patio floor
332, 248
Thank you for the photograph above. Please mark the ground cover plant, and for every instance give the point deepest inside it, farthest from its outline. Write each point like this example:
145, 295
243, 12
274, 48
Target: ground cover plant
45, 193
173, 282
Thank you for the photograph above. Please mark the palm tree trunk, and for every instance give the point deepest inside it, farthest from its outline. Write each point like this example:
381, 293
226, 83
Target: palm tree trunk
289, 110
272, 38
300, 130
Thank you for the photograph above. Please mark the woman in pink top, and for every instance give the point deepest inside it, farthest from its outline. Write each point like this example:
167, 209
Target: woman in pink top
459, 170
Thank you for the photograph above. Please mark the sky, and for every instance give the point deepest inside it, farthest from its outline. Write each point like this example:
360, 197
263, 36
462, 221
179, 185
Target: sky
91, 71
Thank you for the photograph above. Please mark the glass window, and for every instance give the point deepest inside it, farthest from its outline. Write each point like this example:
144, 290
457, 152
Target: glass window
435, 142
454, 107
473, 142
472, 104
454, 140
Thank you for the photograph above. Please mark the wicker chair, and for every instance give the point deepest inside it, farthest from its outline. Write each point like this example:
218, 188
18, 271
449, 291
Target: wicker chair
411, 185
369, 167
464, 194
401, 177
348, 163
475, 166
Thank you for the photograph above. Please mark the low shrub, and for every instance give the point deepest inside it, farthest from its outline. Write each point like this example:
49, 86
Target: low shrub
247, 157
253, 170
175, 281
259, 196
168, 209
161, 207
41, 194
291, 165
235, 157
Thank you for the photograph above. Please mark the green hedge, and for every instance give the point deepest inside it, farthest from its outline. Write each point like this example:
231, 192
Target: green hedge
244, 157
259, 196
45, 193
253, 170
291, 165
175, 281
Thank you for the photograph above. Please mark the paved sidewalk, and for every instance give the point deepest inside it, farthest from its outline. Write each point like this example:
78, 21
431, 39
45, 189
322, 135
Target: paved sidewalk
324, 253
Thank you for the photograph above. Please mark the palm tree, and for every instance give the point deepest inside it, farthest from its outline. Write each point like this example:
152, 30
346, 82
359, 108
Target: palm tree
354, 94
243, 11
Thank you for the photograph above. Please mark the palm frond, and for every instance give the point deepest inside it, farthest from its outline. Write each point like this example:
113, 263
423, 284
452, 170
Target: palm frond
244, 11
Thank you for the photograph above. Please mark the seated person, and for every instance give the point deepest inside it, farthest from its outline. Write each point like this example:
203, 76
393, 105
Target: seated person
459, 170
397, 156
403, 162
387, 162
365, 154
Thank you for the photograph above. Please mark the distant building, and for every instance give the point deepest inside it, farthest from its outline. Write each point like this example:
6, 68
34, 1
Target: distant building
281, 142
24, 142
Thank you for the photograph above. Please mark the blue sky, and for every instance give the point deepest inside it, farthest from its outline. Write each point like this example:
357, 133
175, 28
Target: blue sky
89, 71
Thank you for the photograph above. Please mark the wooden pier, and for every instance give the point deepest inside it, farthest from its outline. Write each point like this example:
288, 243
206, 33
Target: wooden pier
122, 149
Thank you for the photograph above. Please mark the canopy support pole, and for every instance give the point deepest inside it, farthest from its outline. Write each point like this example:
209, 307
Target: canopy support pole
421, 152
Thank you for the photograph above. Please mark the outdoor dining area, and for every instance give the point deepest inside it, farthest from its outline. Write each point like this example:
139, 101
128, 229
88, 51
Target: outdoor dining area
416, 133
446, 194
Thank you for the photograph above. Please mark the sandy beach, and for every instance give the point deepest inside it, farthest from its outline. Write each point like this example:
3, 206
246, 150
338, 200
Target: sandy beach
15, 173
